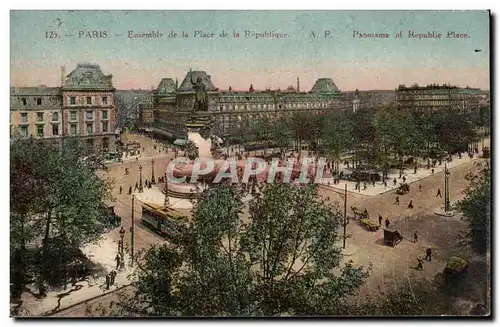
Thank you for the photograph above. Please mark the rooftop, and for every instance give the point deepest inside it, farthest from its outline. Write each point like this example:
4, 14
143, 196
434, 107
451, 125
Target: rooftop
187, 86
43, 90
88, 76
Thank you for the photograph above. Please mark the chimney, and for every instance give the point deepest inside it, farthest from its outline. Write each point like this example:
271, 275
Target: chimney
63, 75
298, 85
176, 84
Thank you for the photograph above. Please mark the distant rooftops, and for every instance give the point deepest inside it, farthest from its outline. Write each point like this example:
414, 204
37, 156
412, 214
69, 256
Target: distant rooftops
403, 87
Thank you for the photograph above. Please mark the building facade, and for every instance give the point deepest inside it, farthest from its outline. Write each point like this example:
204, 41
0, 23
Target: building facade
437, 97
234, 110
36, 112
82, 108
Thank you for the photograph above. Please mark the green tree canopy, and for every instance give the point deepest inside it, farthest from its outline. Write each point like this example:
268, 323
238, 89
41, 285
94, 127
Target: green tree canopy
283, 261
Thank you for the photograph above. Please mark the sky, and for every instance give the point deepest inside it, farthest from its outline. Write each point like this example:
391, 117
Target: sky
367, 63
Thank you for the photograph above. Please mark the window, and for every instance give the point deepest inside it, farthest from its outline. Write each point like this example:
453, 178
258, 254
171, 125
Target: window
89, 128
55, 116
24, 117
104, 114
72, 100
55, 129
90, 115
39, 101
104, 100
72, 115
39, 130
24, 131
23, 101
72, 129
104, 126
89, 100
39, 116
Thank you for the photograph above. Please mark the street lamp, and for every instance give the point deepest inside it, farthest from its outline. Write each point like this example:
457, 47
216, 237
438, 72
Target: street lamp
153, 171
166, 202
141, 189
446, 189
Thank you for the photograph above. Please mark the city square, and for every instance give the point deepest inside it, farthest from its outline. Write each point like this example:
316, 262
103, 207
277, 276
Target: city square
213, 197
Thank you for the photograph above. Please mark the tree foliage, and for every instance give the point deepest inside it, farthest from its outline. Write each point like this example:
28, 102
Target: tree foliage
476, 208
55, 195
283, 261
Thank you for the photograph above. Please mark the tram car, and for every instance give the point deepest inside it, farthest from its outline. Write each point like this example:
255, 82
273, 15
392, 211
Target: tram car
166, 222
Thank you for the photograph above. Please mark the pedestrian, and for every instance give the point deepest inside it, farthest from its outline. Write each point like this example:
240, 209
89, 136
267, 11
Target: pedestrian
439, 193
385, 184
432, 171
373, 182
126, 171
410, 205
364, 186
420, 187
415, 170
136, 186
404, 179
108, 280
379, 219
117, 259
394, 181
112, 276
397, 200
130, 190
420, 265
387, 222
121, 189
428, 254
415, 237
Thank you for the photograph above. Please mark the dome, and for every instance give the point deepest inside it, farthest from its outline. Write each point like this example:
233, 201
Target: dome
166, 86
187, 86
324, 85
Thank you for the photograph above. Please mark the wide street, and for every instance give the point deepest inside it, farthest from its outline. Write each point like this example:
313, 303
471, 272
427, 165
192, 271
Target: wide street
392, 267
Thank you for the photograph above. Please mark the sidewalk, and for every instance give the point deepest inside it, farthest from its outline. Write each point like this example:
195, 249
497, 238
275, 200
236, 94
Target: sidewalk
408, 174
103, 253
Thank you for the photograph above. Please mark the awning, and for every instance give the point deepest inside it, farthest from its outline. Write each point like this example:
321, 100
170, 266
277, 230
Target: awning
180, 142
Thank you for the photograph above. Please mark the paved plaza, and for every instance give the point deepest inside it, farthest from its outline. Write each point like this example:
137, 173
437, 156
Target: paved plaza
391, 267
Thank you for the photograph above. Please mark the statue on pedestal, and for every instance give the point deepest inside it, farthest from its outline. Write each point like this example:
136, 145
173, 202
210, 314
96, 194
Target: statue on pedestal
201, 97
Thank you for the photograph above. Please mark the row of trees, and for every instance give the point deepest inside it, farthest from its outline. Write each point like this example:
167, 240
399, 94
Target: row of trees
56, 204
378, 138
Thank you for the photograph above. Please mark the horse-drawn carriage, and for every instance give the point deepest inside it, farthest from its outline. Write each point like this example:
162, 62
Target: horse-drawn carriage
360, 215
403, 188
369, 224
392, 237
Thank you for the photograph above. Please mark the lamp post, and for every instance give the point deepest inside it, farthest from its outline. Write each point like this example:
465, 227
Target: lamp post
446, 189
166, 202
153, 171
141, 189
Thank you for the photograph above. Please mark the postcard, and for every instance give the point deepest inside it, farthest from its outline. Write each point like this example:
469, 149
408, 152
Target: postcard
250, 163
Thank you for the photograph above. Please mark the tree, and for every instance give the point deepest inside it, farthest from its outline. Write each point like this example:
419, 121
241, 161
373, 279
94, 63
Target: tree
191, 150
55, 196
336, 136
476, 209
284, 261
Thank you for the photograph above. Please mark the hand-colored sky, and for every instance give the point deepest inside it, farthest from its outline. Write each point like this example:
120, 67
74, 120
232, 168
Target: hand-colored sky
238, 62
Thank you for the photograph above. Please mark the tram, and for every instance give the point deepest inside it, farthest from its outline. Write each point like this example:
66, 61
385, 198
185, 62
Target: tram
165, 222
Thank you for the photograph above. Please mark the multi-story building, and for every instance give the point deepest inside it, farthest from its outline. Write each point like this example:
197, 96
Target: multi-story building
231, 109
82, 108
36, 112
436, 97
